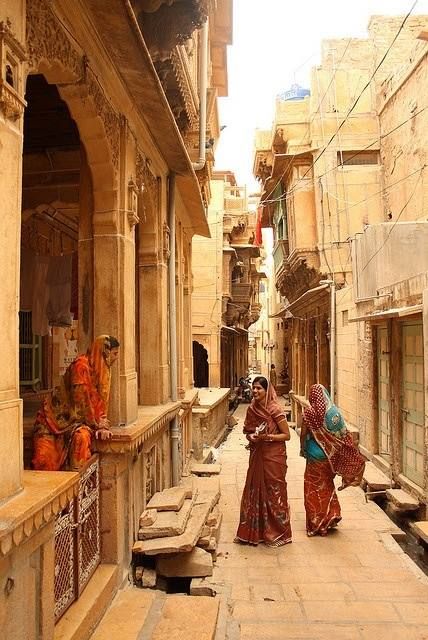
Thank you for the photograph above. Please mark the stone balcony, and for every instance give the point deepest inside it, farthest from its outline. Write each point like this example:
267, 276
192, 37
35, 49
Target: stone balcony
241, 292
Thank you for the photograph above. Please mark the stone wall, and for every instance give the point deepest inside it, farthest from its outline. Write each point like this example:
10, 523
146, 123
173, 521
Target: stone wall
209, 420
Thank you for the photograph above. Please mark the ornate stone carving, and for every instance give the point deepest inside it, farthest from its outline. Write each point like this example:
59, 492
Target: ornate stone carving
133, 192
184, 81
294, 282
166, 247
47, 40
12, 54
146, 180
106, 112
18, 529
170, 24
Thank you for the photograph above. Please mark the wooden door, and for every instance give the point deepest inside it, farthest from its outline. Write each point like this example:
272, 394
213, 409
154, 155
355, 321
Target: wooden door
412, 404
383, 391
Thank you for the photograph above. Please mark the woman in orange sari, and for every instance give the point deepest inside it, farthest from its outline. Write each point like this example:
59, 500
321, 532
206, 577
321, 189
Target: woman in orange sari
265, 513
329, 451
76, 412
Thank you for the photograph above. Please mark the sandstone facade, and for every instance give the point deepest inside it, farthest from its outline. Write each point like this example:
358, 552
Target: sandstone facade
343, 175
100, 163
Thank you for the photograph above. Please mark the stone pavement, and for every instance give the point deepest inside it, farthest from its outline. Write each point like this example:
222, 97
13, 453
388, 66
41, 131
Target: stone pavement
356, 583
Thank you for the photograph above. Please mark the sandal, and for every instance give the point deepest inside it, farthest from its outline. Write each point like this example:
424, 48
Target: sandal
277, 543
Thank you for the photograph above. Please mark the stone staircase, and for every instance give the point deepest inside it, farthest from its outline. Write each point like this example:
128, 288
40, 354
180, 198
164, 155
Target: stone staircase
179, 530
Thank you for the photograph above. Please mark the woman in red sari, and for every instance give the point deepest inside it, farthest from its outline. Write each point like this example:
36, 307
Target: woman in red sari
329, 451
76, 412
265, 513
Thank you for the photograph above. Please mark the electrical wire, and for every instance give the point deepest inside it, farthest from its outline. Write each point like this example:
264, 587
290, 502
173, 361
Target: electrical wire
356, 101
395, 221
310, 122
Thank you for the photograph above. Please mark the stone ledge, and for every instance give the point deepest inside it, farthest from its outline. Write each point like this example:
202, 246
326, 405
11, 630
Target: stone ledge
79, 620
210, 397
190, 397
402, 500
43, 496
420, 530
150, 420
375, 478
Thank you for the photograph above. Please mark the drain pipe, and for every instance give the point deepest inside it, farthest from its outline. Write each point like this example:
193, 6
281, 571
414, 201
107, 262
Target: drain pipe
203, 83
175, 428
332, 337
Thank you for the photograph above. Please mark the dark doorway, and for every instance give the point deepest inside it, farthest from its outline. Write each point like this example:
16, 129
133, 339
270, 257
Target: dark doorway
200, 365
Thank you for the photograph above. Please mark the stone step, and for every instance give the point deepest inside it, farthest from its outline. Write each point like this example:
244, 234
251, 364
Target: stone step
184, 617
420, 529
401, 500
375, 479
168, 523
168, 500
195, 564
208, 488
182, 543
205, 469
126, 615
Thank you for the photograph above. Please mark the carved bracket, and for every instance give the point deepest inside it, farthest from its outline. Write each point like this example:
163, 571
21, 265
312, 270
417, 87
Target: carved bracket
12, 55
166, 242
133, 192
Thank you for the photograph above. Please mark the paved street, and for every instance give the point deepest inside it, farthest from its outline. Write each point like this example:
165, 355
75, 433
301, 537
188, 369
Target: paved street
354, 584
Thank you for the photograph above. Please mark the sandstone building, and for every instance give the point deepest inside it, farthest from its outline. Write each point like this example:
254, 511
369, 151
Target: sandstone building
343, 176
225, 296
105, 112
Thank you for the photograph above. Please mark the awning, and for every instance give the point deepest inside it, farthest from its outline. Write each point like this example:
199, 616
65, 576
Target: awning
224, 327
282, 313
398, 312
254, 250
282, 162
306, 296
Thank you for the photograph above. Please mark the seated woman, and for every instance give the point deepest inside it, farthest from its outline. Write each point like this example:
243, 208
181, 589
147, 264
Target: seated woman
329, 451
76, 412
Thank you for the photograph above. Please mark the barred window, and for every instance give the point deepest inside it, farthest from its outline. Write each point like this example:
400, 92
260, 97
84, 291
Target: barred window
357, 157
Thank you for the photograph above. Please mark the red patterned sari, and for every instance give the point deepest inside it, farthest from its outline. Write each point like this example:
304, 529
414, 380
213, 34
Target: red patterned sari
327, 427
67, 421
265, 513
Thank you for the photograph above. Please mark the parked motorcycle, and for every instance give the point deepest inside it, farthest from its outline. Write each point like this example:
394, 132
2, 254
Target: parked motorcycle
245, 390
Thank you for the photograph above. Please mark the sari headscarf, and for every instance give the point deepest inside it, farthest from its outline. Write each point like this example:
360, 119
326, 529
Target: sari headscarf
269, 412
328, 428
83, 393
98, 355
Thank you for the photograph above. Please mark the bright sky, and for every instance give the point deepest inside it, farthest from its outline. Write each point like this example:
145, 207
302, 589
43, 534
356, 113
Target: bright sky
275, 43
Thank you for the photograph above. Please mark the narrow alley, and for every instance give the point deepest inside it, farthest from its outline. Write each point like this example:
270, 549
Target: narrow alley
356, 583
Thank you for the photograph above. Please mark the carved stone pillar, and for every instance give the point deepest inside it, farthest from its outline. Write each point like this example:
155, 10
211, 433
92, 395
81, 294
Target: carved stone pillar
11, 135
152, 312
114, 280
187, 311
180, 313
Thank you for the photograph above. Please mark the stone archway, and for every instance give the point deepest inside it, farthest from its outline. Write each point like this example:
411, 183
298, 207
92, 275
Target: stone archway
105, 242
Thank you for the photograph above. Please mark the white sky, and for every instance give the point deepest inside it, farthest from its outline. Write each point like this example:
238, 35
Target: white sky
275, 43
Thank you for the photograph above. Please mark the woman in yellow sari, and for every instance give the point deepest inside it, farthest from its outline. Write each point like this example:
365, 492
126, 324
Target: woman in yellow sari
76, 412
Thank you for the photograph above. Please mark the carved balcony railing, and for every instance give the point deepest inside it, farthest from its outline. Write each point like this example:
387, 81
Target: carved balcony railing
77, 539
241, 293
